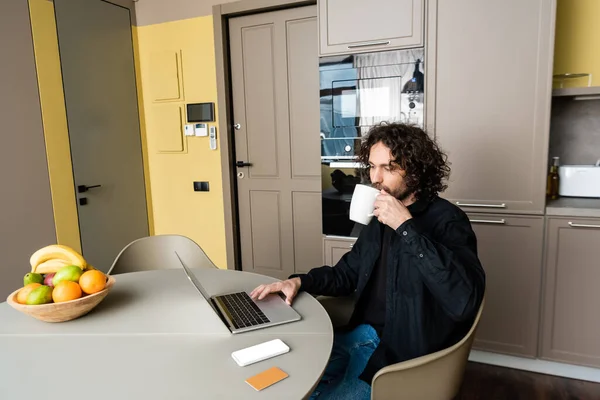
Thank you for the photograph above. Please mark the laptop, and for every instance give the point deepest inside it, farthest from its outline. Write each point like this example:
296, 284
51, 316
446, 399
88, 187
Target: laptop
240, 313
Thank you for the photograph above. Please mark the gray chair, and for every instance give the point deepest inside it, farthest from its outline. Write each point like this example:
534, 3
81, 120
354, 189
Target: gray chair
435, 376
158, 252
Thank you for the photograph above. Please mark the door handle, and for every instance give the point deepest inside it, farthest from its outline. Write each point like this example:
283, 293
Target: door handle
488, 221
84, 188
573, 225
241, 164
382, 43
458, 203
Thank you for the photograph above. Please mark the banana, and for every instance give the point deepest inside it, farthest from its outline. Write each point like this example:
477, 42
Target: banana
51, 266
56, 252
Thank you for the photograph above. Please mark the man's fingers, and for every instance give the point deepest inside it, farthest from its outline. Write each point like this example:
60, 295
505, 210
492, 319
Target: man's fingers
272, 288
290, 293
289, 297
266, 290
254, 293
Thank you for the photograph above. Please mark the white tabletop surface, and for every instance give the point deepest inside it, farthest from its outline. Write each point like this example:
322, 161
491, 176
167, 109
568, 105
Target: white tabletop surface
155, 337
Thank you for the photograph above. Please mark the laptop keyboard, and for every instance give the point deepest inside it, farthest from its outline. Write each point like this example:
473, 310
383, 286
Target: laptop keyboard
244, 312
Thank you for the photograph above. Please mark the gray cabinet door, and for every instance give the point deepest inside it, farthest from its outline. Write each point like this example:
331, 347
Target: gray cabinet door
352, 26
334, 249
510, 250
571, 322
493, 86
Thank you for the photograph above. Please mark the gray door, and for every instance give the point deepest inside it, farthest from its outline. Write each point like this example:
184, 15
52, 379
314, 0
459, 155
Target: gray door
275, 85
96, 54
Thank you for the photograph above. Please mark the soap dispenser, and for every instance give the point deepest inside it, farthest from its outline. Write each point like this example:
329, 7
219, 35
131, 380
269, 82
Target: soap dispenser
553, 180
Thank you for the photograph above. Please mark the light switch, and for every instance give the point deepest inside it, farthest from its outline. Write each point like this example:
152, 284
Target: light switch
189, 130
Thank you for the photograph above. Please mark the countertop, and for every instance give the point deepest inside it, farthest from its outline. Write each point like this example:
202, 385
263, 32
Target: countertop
573, 207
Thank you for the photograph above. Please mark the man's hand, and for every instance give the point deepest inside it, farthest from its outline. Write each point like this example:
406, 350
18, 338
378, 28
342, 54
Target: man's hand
390, 211
289, 288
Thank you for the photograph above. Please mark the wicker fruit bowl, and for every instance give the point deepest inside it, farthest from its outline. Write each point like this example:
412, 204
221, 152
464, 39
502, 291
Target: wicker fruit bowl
65, 311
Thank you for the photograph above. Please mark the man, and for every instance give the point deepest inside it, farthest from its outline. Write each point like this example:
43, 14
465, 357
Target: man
414, 269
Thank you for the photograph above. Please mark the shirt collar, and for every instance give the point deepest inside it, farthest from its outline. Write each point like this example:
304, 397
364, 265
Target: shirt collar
418, 206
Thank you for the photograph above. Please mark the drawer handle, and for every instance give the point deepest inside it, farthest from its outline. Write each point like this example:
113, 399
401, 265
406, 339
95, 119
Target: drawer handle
572, 225
458, 203
488, 221
382, 43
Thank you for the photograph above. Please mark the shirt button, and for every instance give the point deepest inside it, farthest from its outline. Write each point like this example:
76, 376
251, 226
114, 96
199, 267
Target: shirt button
405, 233
421, 255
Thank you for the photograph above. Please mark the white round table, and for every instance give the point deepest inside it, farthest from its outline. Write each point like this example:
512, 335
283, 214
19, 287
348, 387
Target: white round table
155, 337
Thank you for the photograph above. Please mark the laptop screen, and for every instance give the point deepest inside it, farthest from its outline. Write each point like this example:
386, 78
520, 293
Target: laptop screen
193, 278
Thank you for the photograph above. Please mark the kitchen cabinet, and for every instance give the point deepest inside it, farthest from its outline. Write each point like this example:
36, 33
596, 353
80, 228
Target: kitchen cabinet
490, 110
353, 26
571, 326
510, 251
335, 248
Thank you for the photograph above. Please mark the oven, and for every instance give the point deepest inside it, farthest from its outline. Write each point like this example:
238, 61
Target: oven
358, 92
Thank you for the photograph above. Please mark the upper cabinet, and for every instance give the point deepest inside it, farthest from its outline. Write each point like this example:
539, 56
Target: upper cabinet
491, 114
354, 26
576, 43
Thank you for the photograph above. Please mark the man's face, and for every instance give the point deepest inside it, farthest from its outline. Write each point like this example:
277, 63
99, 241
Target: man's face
385, 173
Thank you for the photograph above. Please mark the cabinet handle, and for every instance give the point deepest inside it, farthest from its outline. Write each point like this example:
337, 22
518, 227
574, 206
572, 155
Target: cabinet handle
488, 221
382, 43
572, 225
458, 203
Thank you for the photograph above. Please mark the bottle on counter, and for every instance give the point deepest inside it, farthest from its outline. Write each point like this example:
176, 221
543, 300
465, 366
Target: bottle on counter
553, 180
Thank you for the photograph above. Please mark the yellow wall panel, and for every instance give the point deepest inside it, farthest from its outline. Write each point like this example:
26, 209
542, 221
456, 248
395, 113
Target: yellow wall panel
144, 138
166, 130
165, 75
176, 207
578, 40
54, 117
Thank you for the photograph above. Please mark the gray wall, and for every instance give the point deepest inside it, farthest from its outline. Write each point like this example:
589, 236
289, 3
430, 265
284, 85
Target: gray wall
575, 131
26, 219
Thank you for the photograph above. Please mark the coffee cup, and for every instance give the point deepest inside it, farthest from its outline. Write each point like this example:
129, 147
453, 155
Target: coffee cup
363, 203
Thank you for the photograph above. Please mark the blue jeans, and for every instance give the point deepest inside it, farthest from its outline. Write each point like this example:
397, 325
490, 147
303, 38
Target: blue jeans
349, 356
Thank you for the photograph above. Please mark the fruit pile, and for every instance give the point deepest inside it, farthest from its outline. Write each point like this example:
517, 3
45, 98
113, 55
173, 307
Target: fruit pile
58, 274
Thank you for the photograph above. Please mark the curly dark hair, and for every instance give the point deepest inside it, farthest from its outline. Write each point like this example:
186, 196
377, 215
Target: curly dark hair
414, 151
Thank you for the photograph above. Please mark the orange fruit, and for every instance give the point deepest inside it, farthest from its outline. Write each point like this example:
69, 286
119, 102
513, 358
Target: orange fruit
92, 281
66, 291
24, 292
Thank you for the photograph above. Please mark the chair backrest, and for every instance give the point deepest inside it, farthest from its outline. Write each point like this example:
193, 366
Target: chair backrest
158, 252
435, 376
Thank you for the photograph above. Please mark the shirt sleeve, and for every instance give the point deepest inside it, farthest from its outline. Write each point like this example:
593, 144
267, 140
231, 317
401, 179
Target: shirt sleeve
448, 265
341, 279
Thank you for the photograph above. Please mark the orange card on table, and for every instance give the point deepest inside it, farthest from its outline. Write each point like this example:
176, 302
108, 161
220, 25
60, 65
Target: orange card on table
266, 378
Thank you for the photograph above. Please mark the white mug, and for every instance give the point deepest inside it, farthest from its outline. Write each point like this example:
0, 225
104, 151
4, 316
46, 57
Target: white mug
363, 203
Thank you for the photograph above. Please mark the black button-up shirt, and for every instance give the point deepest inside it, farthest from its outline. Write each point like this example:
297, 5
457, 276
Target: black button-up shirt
434, 281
